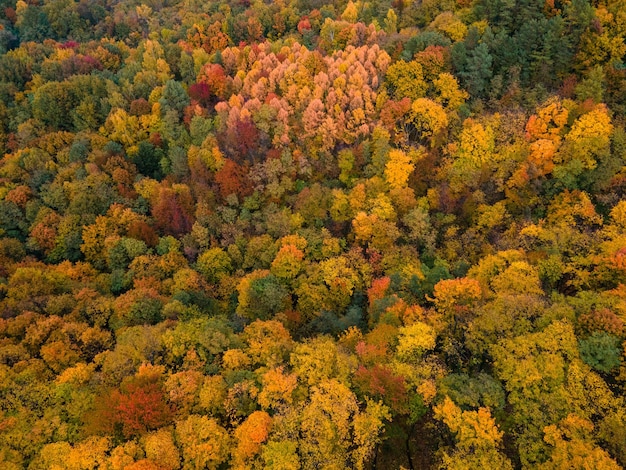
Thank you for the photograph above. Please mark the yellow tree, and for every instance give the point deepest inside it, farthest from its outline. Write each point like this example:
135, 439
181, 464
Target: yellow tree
477, 438
449, 94
335, 434
429, 120
160, 447
406, 80
398, 168
288, 262
278, 388
203, 442
574, 447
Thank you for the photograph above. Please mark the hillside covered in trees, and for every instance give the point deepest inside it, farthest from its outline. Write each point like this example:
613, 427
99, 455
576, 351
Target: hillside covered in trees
299, 234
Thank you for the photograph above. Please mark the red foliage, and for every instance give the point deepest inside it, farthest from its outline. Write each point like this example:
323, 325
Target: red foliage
173, 211
212, 82
233, 178
139, 107
79, 65
69, 45
568, 87
241, 141
10, 14
201, 92
375, 258
393, 115
371, 353
380, 383
134, 409
19, 195
140, 230
156, 139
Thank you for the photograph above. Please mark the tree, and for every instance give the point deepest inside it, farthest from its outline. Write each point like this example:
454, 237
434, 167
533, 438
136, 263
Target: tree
332, 421
406, 80
160, 447
477, 438
278, 388
535, 383
203, 442
214, 264
288, 262
137, 407
574, 447
269, 342
174, 97
415, 340
477, 69
429, 120
173, 210
398, 169
250, 435
261, 296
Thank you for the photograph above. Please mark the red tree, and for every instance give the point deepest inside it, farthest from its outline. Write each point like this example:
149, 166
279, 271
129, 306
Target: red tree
173, 211
133, 410
233, 178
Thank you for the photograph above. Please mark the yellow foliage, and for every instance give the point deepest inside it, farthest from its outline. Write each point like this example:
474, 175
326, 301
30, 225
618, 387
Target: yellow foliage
382, 207
448, 23
213, 394
160, 447
79, 374
268, 342
398, 169
203, 442
549, 122
350, 14
243, 288
574, 447
326, 425
451, 292
406, 80
235, 359
449, 93
295, 240
428, 390
518, 278
368, 426
473, 429
477, 143
288, 262
414, 340
596, 123
618, 214
277, 388
320, 359
428, 117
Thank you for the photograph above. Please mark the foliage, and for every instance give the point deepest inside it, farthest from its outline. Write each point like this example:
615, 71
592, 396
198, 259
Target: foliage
307, 234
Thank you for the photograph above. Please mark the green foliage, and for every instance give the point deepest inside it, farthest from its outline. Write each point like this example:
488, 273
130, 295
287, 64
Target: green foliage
601, 351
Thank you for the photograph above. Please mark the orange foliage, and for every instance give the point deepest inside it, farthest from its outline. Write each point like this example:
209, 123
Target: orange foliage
251, 434
232, 178
378, 289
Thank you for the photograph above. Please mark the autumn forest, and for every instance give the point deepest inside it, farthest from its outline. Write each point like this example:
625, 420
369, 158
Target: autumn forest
298, 234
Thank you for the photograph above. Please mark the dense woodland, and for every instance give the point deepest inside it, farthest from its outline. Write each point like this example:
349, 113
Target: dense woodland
312, 235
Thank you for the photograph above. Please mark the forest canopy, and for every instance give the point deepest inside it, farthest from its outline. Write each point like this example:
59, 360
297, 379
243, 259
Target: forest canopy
302, 234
